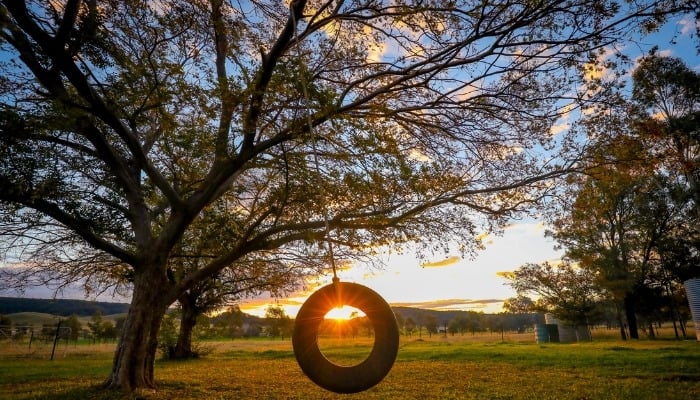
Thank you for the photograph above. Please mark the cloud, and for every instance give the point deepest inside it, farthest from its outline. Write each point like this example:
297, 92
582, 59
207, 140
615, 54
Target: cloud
258, 307
559, 128
505, 274
450, 304
418, 155
442, 263
688, 25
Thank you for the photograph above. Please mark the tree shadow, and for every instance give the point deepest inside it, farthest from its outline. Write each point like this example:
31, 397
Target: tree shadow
96, 392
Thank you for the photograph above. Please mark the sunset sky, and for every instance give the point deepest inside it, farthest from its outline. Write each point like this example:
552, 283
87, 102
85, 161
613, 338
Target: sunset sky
447, 282
450, 282
475, 284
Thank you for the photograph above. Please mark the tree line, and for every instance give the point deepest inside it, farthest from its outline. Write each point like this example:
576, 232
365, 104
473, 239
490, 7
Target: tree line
97, 330
629, 226
63, 307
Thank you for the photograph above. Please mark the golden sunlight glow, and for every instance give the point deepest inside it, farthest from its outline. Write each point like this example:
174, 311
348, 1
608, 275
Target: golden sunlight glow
344, 313
593, 72
442, 263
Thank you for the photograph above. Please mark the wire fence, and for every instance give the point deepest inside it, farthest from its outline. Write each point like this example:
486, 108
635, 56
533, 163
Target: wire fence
31, 341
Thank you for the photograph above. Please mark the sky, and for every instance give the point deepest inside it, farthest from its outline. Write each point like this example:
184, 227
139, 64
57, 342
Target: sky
451, 282
444, 283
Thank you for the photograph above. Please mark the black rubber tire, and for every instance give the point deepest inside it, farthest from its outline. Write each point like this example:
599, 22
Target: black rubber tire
338, 378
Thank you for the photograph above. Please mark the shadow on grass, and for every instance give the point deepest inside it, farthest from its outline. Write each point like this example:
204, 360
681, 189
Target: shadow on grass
97, 392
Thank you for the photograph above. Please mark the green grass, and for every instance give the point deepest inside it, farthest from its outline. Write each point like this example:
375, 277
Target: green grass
440, 368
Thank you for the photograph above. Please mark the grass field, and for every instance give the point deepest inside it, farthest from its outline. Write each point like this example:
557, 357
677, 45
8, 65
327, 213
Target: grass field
459, 367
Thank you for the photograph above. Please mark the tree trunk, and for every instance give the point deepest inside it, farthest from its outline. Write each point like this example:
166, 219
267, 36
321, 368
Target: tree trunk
623, 334
188, 320
652, 334
631, 316
134, 358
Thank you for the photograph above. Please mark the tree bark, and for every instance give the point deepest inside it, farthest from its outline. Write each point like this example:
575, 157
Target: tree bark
621, 323
188, 320
134, 358
631, 316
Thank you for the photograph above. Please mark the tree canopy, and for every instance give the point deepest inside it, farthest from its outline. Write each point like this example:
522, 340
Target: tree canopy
363, 123
631, 220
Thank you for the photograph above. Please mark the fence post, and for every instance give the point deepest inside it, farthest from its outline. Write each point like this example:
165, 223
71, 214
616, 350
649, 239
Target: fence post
55, 338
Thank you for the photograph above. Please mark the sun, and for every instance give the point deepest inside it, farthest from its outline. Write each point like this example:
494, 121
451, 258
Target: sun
344, 313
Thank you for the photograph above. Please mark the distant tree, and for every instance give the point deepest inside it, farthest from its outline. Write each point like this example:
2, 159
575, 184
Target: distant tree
420, 321
518, 305
48, 331
521, 312
230, 322
167, 335
400, 322
409, 326
431, 323
5, 327
278, 323
497, 323
667, 94
460, 323
453, 327
475, 321
108, 331
569, 292
366, 325
75, 326
96, 326
356, 323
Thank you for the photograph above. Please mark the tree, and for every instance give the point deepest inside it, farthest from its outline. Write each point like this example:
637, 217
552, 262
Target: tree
463, 322
108, 330
277, 321
96, 326
570, 293
249, 277
519, 304
620, 214
431, 323
667, 95
75, 326
636, 207
230, 285
230, 322
167, 334
5, 327
121, 125
409, 326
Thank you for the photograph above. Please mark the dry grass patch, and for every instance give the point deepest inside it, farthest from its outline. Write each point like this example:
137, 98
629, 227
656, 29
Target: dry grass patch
428, 368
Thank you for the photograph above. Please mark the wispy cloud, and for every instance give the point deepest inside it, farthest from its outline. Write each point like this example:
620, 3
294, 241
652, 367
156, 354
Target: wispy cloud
450, 304
688, 25
442, 263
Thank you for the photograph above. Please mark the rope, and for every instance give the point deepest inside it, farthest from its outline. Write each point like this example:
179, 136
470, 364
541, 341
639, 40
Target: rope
314, 140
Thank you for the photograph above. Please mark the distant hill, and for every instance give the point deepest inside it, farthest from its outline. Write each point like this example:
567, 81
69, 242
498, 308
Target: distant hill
39, 319
417, 313
60, 307
31, 318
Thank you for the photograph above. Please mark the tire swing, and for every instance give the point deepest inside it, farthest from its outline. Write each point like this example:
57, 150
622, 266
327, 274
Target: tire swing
323, 372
